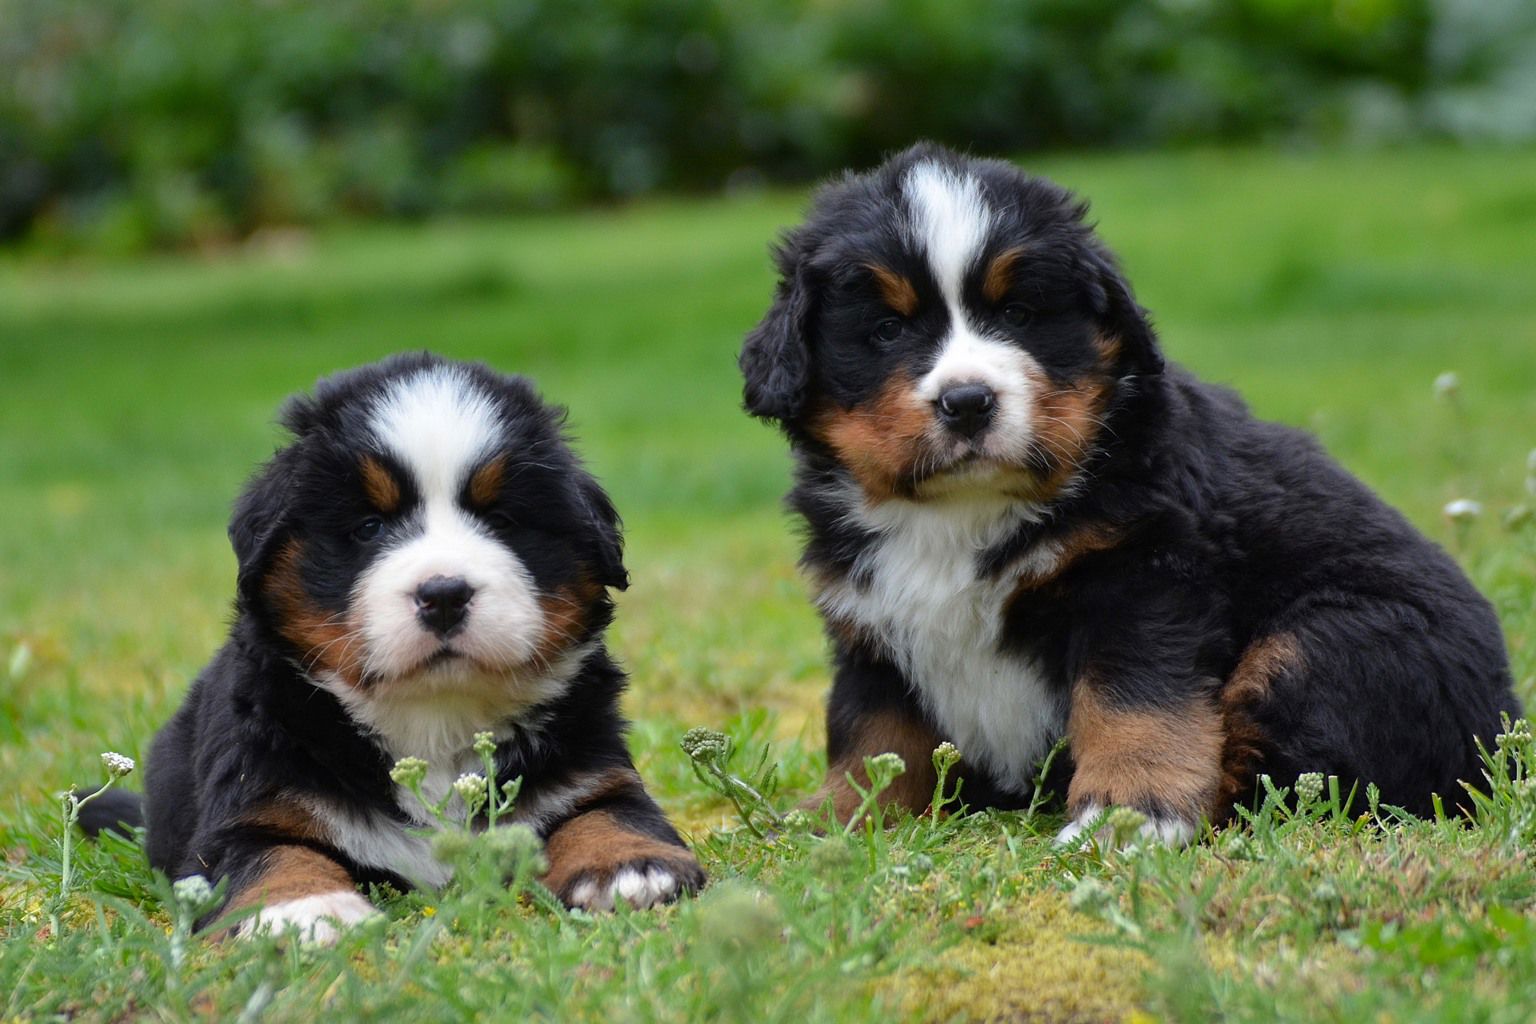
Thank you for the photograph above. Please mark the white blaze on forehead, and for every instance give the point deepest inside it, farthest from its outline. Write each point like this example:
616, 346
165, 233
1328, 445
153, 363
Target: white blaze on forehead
950, 220
439, 424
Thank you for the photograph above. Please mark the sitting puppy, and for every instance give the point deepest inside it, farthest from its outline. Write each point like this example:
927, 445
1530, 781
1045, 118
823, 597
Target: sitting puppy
425, 560
1020, 525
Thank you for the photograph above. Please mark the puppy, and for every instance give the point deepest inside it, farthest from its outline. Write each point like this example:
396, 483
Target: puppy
1020, 525
424, 560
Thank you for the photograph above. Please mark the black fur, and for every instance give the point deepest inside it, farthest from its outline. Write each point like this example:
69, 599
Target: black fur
1227, 530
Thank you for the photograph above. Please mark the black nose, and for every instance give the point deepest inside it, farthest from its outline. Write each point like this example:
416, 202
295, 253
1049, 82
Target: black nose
442, 602
967, 408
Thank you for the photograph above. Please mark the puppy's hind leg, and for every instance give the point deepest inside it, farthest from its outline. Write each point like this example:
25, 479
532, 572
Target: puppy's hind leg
1372, 693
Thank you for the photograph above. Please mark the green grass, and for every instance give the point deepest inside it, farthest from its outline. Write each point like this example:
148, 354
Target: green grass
1331, 289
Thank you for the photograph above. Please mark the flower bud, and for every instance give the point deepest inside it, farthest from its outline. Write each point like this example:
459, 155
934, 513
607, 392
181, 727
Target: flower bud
117, 765
408, 772
1309, 786
485, 743
194, 895
471, 789
703, 744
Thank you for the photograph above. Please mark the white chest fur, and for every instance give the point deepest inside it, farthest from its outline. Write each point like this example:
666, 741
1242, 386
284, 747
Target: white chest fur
919, 594
435, 717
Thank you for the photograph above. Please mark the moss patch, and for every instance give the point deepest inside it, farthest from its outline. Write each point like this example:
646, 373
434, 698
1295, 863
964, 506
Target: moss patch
1038, 968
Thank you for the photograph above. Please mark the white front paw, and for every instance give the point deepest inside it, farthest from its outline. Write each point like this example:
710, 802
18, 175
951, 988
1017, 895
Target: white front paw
639, 887
1093, 818
317, 919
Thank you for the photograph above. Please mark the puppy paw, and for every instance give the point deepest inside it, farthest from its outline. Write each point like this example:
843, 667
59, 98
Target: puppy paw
1109, 833
319, 920
647, 882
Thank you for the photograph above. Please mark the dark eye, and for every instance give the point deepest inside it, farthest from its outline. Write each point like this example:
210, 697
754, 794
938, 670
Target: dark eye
888, 329
498, 520
1016, 313
368, 529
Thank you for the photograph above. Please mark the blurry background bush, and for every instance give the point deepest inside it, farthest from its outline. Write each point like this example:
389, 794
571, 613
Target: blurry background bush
127, 124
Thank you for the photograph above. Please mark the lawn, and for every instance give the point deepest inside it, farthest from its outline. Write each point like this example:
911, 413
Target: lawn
1332, 289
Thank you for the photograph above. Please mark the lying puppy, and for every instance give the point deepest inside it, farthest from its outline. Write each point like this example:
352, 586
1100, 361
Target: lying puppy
426, 559
1020, 525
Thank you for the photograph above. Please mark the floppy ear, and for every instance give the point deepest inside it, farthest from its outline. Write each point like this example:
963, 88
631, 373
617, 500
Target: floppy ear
776, 357
1122, 316
608, 549
260, 520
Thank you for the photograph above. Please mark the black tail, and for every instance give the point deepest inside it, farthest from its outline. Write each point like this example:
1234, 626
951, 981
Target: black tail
116, 809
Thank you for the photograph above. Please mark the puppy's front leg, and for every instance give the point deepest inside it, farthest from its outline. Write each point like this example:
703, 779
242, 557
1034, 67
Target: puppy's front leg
869, 712
1162, 758
879, 732
280, 860
619, 846
301, 889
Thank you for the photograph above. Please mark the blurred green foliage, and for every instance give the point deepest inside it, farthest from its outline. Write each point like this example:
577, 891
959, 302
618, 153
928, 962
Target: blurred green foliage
126, 124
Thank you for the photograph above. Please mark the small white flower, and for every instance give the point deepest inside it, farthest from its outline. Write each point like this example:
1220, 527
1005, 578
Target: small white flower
117, 765
471, 788
945, 756
1447, 386
193, 894
1463, 510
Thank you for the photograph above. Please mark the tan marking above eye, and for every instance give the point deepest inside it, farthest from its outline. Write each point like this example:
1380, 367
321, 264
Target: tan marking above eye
485, 484
379, 485
896, 289
1000, 274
